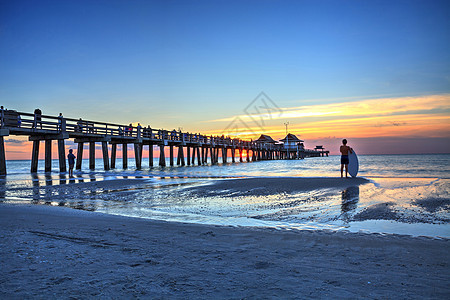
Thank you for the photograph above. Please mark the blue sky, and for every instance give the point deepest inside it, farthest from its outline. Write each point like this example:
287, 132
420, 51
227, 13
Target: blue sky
180, 63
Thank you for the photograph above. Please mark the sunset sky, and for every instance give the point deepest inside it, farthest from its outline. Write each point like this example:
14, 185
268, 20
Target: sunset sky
374, 72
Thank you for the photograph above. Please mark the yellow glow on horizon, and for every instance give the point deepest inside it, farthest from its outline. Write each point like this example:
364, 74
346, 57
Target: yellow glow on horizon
425, 116
370, 107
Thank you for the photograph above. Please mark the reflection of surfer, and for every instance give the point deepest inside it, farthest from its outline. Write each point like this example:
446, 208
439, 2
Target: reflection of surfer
345, 150
350, 198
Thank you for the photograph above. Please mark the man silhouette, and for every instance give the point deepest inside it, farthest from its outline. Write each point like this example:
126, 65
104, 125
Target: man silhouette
345, 150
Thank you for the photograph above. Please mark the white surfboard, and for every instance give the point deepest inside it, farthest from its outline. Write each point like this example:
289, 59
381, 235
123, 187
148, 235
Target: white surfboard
353, 164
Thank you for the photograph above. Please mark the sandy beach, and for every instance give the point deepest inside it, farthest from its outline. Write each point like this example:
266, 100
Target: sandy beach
57, 252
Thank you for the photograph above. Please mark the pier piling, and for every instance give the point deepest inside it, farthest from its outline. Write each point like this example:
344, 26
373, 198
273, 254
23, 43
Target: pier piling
125, 156
188, 155
105, 155
150, 155
79, 155
62, 156
162, 157
113, 155
2, 156
137, 155
48, 155
92, 155
35, 156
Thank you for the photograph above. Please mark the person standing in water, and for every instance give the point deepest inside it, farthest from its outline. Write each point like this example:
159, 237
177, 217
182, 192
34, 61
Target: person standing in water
345, 150
71, 159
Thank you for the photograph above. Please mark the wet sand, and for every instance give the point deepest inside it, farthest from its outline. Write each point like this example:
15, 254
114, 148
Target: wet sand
269, 186
57, 252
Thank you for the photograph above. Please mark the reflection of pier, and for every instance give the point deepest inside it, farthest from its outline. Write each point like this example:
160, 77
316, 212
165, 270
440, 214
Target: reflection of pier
48, 192
190, 147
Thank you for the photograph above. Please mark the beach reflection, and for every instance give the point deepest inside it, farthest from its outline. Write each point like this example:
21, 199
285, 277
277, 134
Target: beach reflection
48, 179
48, 192
36, 188
92, 177
2, 189
62, 179
80, 177
350, 199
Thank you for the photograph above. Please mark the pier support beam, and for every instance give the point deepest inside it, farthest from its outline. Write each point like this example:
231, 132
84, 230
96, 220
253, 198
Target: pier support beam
212, 154
199, 159
162, 156
48, 155
113, 155
233, 154
150, 155
180, 157
204, 150
62, 156
105, 155
125, 156
79, 155
138, 155
188, 155
193, 155
35, 156
92, 155
224, 155
171, 155
240, 155
141, 147
2, 156
248, 155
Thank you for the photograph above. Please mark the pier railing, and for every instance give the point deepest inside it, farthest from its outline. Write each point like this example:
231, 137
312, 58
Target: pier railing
28, 123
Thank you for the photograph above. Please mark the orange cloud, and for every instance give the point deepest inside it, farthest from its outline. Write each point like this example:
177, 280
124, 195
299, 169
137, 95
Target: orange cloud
370, 107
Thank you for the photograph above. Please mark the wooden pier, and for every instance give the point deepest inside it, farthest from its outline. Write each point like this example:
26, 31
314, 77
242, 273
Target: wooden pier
191, 148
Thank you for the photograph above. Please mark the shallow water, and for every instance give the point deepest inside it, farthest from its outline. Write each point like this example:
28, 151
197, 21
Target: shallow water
408, 194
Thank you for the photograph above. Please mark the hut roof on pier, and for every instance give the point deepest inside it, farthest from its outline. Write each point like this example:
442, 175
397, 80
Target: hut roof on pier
265, 139
291, 138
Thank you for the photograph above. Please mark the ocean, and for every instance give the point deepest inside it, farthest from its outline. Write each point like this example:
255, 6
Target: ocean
407, 194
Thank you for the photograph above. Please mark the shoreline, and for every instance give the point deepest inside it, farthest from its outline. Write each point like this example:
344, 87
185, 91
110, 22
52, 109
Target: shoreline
339, 204
60, 252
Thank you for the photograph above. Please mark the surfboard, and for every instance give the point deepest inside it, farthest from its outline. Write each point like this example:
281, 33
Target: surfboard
353, 164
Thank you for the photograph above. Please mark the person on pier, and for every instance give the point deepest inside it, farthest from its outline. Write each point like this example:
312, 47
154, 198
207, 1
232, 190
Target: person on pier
71, 158
139, 129
345, 150
149, 132
79, 127
37, 118
130, 129
60, 121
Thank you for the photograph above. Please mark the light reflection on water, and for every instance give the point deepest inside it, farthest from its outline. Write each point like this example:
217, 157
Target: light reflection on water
399, 196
